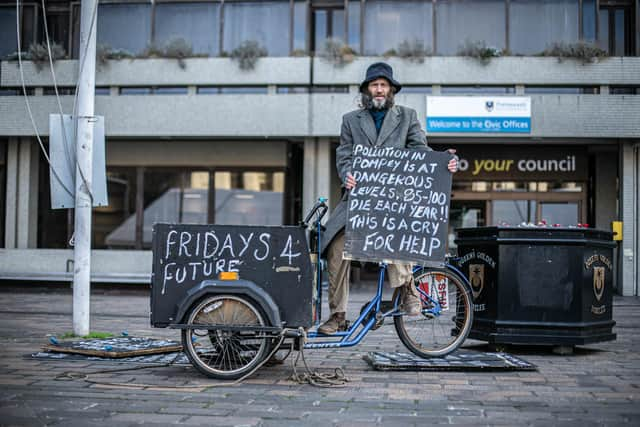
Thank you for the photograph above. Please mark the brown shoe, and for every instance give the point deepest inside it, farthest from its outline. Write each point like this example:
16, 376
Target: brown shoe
411, 303
337, 322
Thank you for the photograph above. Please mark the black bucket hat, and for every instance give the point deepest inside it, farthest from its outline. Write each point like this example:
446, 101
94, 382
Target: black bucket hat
377, 70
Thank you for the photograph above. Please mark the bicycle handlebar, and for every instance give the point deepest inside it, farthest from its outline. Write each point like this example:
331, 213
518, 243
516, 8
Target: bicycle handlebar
320, 206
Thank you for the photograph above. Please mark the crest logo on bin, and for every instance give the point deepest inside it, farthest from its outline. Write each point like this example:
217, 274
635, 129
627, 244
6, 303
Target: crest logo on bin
476, 278
598, 282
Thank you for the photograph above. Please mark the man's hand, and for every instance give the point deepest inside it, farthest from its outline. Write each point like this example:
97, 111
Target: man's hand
350, 181
453, 163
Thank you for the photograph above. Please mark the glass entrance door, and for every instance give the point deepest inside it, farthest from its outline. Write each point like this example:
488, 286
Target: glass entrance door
513, 212
463, 214
564, 213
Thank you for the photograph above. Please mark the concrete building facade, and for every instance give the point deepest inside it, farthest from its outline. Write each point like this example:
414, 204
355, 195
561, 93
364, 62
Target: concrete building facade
202, 140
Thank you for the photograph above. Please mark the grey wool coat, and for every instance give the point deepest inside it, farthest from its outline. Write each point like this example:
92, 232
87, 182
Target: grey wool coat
400, 128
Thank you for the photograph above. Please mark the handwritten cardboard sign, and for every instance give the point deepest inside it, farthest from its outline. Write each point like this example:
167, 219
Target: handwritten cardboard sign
399, 209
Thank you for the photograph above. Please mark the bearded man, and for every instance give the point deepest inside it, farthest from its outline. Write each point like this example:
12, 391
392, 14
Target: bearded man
379, 123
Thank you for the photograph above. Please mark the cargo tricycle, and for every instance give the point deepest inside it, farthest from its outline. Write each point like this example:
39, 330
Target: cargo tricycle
240, 293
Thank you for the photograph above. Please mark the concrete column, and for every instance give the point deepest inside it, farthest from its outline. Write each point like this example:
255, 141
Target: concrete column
21, 219
27, 220
11, 196
637, 26
309, 175
606, 201
323, 170
630, 207
316, 172
606, 171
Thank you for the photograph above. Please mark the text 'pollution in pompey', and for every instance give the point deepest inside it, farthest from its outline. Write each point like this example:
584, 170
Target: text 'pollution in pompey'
399, 208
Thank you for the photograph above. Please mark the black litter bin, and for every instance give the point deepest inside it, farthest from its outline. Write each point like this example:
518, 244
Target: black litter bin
539, 285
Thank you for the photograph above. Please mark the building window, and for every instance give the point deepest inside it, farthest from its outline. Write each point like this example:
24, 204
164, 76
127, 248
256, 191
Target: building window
563, 213
562, 90
216, 90
557, 186
208, 90
470, 90
510, 186
57, 25
469, 21
249, 198
135, 91
616, 32
589, 13
50, 91
265, 22
8, 35
3, 188
197, 23
353, 25
624, 90
300, 27
125, 26
513, 212
253, 90
114, 226
292, 89
387, 24
328, 23
11, 91
170, 90
329, 89
535, 25
177, 196
153, 90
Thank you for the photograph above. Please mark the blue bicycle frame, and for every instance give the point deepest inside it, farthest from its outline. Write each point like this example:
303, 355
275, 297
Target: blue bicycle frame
371, 313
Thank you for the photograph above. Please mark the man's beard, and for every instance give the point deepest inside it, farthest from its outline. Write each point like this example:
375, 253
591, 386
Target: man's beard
368, 102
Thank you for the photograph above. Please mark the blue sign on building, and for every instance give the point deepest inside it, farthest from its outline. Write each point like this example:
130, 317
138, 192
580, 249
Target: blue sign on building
478, 114
479, 124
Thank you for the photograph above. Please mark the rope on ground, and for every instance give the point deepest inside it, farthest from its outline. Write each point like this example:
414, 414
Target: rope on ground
315, 378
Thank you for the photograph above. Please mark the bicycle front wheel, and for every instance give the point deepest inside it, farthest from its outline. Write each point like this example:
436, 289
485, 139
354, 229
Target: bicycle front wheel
447, 314
221, 353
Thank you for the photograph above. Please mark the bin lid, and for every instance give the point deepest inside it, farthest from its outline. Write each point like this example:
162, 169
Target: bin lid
534, 234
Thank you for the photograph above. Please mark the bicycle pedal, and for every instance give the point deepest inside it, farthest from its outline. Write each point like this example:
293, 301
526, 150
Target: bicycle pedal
379, 322
386, 306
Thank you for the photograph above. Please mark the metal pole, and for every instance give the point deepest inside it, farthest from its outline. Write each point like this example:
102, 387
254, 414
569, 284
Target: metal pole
84, 147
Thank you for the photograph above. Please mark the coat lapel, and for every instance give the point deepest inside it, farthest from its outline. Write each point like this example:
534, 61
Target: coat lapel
391, 121
367, 125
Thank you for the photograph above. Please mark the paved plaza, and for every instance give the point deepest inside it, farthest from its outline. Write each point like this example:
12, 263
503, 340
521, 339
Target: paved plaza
597, 385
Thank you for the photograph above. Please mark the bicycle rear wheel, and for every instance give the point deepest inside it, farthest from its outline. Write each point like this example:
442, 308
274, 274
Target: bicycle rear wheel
447, 314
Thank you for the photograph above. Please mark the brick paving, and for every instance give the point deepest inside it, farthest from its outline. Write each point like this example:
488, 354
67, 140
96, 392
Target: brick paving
598, 385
